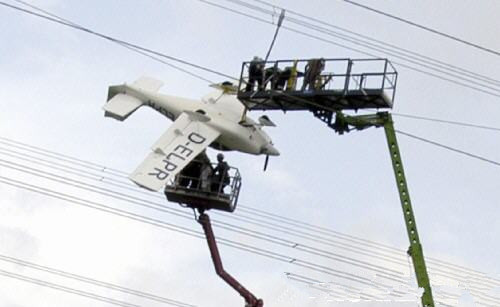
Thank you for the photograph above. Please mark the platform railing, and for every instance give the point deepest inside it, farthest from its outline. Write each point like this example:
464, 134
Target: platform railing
209, 185
336, 75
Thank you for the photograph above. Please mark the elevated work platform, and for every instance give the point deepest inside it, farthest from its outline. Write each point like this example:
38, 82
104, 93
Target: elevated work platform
206, 192
318, 84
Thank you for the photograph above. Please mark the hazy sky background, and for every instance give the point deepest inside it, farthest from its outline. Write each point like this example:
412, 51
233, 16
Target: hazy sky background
54, 83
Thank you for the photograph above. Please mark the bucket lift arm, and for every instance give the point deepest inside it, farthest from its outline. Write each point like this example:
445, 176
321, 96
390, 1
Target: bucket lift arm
343, 123
250, 299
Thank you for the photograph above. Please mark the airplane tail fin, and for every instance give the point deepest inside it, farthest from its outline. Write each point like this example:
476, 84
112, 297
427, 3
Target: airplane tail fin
124, 99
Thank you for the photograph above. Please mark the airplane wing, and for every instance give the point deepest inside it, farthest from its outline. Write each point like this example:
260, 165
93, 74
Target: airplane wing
182, 142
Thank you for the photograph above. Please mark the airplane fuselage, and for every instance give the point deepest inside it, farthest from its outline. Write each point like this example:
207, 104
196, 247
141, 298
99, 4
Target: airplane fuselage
224, 113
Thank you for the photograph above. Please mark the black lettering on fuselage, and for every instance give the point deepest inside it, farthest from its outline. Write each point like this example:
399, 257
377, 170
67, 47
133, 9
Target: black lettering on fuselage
180, 152
175, 155
183, 150
196, 138
160, 109
169, 166
160, 174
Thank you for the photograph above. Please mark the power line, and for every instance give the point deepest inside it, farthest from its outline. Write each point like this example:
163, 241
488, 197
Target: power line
254, 211
274, 217
141, 50
61, 21
120, 44
158, 223
357, 293
419, 61
472, 287
265, 236
437, 120
394, 275
466, 85
92, 281
452, 37
468, 154
383, 273
392, 46
62, 288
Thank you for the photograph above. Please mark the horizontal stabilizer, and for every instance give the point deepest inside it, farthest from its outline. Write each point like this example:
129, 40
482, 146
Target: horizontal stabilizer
148, 84
124, 99
121, 106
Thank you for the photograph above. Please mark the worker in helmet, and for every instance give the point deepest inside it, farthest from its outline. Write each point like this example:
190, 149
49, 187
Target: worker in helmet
220, 177
255, 73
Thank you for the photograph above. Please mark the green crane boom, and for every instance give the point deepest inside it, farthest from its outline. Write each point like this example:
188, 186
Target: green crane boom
343, 123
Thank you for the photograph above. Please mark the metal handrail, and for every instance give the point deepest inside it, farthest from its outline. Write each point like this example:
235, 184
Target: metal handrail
205, 186
387, 72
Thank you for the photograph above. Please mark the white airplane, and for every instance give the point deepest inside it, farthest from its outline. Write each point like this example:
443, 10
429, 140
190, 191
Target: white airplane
214, 121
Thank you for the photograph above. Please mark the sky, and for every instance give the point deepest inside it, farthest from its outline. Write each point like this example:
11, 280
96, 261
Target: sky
54, 84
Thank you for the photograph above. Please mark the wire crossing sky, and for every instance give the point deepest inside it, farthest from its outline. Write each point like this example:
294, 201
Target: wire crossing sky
441, 74
326, 211
143, 51
67, 23
452, 37
295, 245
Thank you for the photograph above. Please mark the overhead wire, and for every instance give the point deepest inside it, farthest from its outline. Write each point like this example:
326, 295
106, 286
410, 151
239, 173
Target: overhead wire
60, 21
394, 53
245, 219
66, 289
158, 223
365, 267
358, 294
426, 28
386, 272
119, 43
298, 246
316, 229
128, 46
444, 78
443, 121
468, 154
384, 43
92, 281
349, 290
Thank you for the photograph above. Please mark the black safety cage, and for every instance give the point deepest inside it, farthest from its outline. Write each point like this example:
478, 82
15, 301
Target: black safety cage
205, 193
342, 84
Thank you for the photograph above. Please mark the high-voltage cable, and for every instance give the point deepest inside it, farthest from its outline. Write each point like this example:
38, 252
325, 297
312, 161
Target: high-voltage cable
416, 55
93, 281
59, 20
438, 144
158, 223
385, 276
66, 289
314, 228
456, 82
394, 53
426, 28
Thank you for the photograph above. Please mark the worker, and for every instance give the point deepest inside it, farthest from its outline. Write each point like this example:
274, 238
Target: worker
272, 75
292, 80
283, 77
220, 177
190, 176
255, 73
312, 73
206, 171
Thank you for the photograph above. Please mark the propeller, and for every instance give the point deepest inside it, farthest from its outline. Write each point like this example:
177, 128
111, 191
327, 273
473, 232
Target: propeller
266, 162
